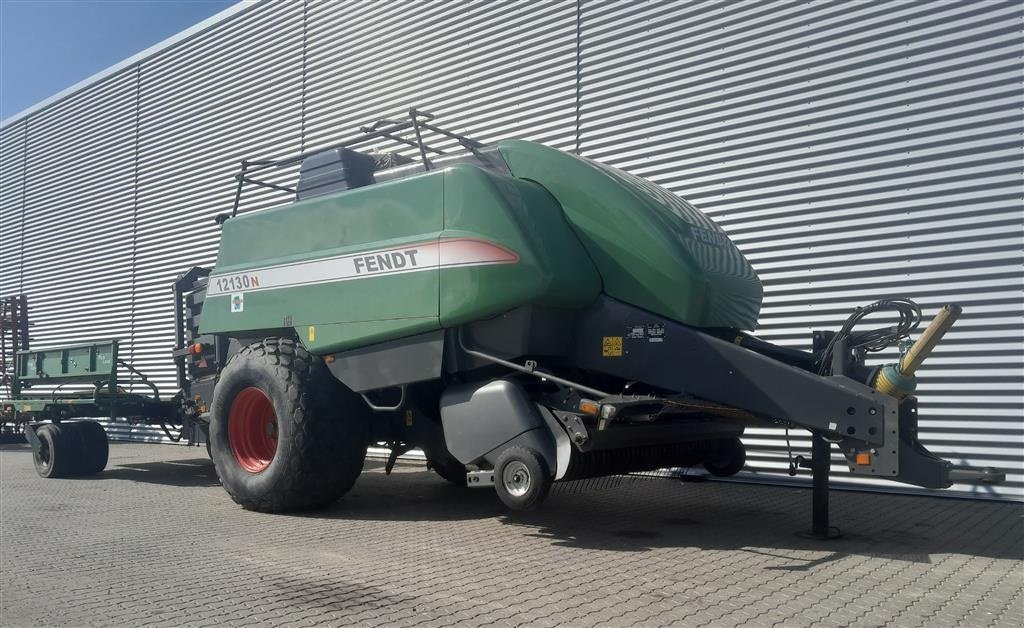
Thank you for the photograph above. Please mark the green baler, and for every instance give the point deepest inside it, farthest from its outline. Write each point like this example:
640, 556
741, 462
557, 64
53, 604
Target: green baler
523, 316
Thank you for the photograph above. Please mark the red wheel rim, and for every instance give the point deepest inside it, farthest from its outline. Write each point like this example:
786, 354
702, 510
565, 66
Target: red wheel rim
252, 430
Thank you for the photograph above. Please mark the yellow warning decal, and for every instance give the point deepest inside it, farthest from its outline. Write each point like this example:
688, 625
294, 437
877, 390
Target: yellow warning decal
611, 346
312, 333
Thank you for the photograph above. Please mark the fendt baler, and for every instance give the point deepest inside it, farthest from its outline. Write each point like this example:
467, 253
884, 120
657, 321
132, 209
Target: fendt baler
521, 314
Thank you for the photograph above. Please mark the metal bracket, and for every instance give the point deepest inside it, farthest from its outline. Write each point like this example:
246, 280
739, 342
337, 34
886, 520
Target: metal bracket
480, 479
397, 449
376, 408
574, 425
30, 436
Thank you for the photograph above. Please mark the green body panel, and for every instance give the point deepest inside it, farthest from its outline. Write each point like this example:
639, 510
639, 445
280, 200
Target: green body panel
283, 267
41, 404
386, 215
553, 269
652, 248
90, 362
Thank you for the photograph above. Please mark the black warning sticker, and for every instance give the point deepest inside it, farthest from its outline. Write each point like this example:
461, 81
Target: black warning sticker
635, 332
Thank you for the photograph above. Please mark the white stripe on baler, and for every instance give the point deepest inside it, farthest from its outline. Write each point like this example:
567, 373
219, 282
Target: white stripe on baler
410, 258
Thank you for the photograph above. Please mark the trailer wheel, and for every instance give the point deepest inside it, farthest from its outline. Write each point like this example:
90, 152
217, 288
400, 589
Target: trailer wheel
449, 469
284, 433
728, 459
57, 455
94, 449
521, 478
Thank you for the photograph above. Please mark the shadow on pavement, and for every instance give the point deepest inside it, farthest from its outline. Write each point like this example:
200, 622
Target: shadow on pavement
637, 514
178, 472
640, 514
192, 472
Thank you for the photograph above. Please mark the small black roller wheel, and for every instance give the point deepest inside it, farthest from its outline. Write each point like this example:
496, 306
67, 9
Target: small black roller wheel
95, 449
58, 452
727, 459
449, 469
521, 478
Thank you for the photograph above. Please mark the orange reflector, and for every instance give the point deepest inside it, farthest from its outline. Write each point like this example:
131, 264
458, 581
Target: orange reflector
589, 407
328, 358
863, 458
197, 347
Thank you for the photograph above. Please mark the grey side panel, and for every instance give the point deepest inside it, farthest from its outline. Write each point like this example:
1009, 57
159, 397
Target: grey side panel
478, 418
686, 360
563, 446
402, 361
527, 330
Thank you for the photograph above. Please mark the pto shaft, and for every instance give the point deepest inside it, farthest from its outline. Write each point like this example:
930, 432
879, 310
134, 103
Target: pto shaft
942, 322
898, 379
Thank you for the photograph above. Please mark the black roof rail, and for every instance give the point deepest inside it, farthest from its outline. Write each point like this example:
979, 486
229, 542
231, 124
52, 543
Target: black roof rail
417, 122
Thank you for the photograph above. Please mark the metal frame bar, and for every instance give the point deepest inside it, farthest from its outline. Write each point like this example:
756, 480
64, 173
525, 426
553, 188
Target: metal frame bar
183, 284
13, 324
417, 121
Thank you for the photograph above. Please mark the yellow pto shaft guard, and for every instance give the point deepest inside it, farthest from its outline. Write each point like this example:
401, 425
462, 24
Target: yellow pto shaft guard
898, 379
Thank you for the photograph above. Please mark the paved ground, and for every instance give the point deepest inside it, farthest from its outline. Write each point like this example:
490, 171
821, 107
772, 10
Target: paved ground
154, 540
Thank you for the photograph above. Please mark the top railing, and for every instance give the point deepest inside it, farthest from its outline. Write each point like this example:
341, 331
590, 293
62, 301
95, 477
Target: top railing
418, 122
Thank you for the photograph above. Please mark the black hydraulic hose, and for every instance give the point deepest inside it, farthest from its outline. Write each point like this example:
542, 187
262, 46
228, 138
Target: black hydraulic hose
793, 357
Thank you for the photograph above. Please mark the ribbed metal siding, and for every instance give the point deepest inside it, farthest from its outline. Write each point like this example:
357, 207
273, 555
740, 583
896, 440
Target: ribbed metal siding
490, 69
12, 189
853, 151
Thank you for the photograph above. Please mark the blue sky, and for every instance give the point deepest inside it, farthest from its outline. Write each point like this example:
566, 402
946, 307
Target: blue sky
48, 45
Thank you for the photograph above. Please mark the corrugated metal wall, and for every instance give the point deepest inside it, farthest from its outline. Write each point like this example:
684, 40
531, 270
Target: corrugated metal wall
12, 190
852, 150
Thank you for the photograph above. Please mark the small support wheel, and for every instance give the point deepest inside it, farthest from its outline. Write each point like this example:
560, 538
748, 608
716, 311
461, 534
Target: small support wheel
521, 478
728, 459
58, 452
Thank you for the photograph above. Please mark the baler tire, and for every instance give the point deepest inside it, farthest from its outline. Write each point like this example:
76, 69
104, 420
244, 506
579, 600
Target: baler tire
728, 459
537, 482
95, 450
451, 470
206, 439
58, 459
317, 452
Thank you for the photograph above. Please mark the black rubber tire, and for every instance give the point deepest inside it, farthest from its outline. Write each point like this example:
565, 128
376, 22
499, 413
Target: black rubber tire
94, 449
322, 429
450, 469
727, 459
206, 440
59, 457
539, 483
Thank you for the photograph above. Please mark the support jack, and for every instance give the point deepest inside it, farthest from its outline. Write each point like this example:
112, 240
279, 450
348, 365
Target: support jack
820, 462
